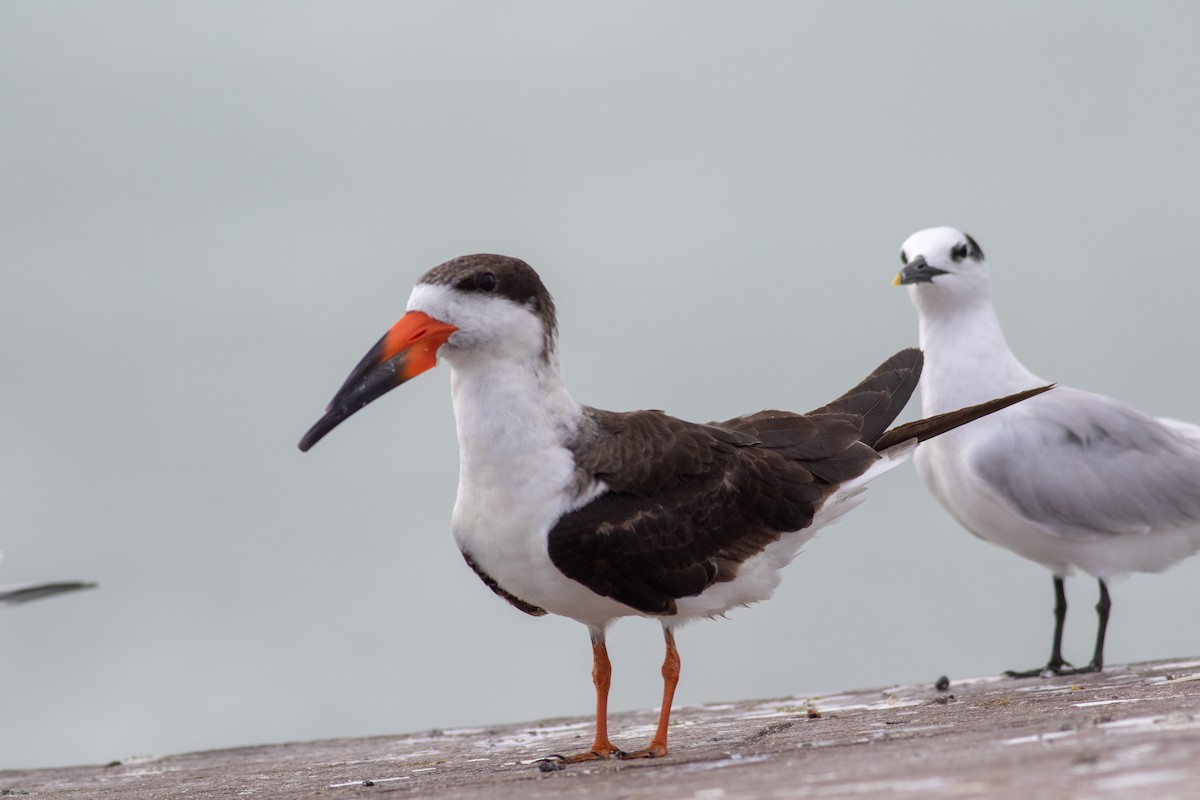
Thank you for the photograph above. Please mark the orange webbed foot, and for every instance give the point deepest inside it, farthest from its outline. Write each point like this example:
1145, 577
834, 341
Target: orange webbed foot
599, 751
655, 750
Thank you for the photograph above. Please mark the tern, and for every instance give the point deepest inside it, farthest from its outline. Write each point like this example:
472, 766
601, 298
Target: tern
1070, 479
596, 515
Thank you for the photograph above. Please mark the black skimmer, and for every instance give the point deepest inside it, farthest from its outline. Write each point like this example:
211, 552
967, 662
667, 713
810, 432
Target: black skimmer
1069, 480
597, 515
13, 594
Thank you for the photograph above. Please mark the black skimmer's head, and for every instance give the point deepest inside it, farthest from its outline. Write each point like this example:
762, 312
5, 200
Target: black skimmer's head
473, 308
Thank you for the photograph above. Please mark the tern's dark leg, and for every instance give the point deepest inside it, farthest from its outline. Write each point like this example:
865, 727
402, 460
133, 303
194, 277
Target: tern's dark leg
1102, 608
1056, 663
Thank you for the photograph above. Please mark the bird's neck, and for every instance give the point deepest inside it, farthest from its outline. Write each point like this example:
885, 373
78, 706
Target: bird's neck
967, 359
513, 417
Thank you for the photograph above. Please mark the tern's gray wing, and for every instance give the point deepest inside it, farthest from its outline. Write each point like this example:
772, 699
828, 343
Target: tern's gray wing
11, 595
1080, 464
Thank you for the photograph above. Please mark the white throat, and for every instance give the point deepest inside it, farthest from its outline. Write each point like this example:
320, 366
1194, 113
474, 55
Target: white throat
508, 411
967, 359
516, 475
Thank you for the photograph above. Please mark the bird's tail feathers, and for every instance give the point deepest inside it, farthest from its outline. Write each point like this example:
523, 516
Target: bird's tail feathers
879, 398
927, 428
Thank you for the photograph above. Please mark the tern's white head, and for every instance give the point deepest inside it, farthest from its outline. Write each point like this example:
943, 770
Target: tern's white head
944, 269
473, 310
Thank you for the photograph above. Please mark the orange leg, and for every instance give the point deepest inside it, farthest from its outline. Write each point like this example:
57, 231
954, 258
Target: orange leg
602, 678
670, 673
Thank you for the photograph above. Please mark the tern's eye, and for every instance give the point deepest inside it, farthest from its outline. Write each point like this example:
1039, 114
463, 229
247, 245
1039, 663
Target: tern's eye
485, 281
903, 258
959, 252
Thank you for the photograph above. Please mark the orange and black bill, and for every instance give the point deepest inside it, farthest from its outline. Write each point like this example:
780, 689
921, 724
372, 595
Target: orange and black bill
403, 353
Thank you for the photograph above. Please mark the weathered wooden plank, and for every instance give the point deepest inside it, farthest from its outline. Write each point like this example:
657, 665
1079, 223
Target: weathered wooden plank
1130, 731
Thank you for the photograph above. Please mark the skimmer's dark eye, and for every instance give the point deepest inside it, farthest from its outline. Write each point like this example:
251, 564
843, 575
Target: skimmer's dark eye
903, 257
959, 252
485, 282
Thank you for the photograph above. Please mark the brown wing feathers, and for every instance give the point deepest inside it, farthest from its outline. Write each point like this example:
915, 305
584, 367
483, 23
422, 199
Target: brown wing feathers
832, 441
687, 503
878, 399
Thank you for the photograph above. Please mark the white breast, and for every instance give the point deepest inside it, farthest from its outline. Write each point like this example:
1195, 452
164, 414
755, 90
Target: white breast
516, 478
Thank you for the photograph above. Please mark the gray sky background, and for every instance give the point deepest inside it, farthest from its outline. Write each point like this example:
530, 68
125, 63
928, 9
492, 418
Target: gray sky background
209, 211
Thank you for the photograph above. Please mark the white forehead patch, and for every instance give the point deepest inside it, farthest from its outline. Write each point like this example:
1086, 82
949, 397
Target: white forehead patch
933, 242
485, 322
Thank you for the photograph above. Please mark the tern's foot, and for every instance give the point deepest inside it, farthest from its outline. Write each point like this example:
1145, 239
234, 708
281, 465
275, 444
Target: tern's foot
1052, 669
655, 750
1037, 672
1069, 670
556, 762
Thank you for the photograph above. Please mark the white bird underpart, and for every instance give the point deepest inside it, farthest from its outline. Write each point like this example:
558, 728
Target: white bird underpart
596, 515
1070, 479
